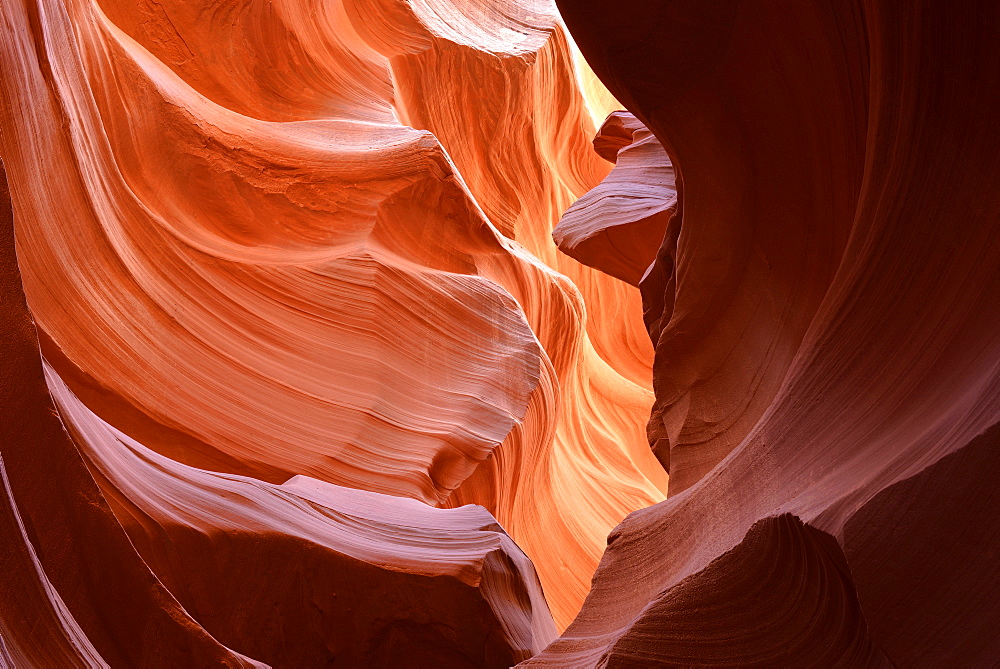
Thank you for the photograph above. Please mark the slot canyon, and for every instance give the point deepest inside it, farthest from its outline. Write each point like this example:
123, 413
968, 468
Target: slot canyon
483, 333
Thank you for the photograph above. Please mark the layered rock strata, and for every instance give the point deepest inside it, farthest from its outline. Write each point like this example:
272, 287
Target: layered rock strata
617, 227
287, 239
827, 369
322, 342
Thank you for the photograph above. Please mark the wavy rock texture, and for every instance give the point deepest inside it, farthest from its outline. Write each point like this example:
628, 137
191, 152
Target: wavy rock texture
309, 362
69, 568
618, 226
791, 579
279, 239
302, 574
827, 369
308, 573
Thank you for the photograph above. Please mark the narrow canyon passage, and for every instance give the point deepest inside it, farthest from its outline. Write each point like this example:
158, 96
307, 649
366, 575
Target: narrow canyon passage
316, 264
466, 333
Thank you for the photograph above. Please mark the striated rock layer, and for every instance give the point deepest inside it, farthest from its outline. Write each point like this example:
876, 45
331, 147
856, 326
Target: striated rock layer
827, 370
617, 226
310, 241
70, 570
302, 574
308, 573
429, 585
337, 333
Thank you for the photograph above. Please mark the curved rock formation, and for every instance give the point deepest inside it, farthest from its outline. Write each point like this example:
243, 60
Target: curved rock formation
348, 331
618, 226
828, 342
308, 573
258, 565
263, 241
783, 596
71, 567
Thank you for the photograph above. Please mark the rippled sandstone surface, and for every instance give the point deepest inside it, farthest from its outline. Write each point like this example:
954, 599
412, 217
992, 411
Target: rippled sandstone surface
824, 308
347, 333
272, 249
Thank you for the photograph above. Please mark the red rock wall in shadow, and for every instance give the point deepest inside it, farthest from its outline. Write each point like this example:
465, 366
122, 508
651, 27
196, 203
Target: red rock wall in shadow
829, 346
773, 201
783, 596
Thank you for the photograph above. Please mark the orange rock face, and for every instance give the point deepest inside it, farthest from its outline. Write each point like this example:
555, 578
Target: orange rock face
307, 241
362, 332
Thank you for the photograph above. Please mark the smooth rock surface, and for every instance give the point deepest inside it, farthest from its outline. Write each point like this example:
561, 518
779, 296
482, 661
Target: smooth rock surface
827, 343
366, 332
263, 240
618, 226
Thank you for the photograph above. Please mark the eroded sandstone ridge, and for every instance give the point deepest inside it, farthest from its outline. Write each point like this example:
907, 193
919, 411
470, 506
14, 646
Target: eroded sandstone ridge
825, 317
292, 276
348, 332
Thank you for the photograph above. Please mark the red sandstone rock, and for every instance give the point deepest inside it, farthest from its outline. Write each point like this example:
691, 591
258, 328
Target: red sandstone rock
783, 596
618, 226
69, 571
828, 346
293, 269
308, 573
300, 574
262, 240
